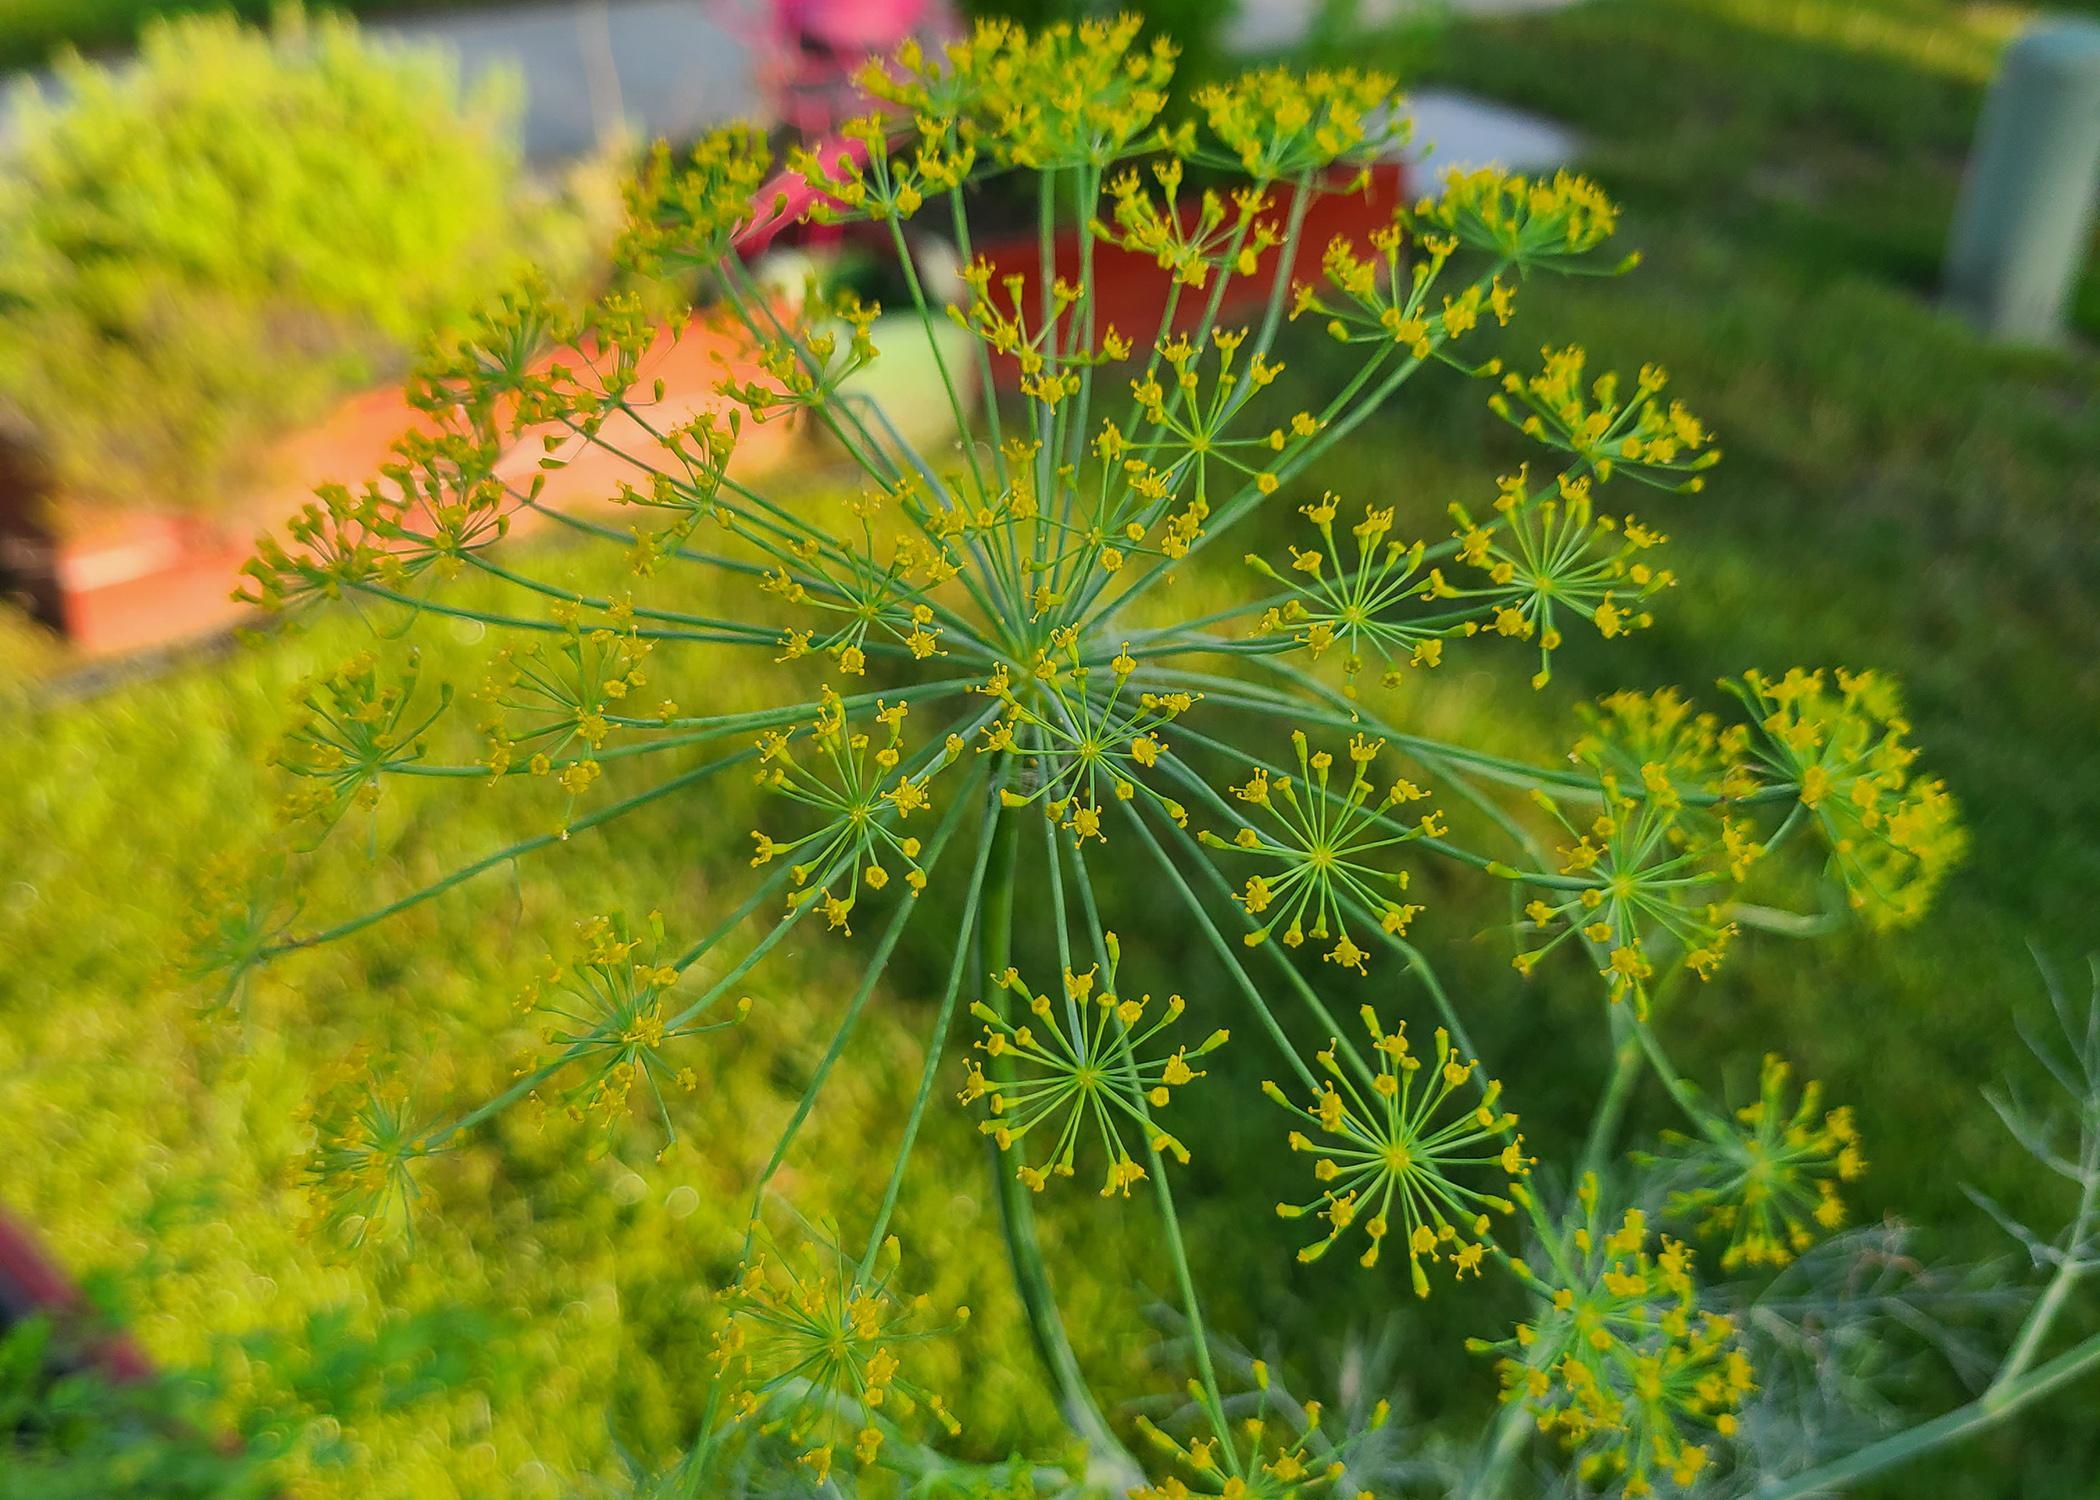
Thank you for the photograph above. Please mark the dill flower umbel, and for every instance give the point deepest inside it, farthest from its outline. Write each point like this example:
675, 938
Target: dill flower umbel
1079, 1068
1390, 1161
1621, 1363
1768, 1182
362, 1168
1639, 875
1660, 742
845, 776
815, 1349
1893, 835
607, 1013
353, 730
1260, 1457
1322, 849
994, 629
1363, 604
1077, 742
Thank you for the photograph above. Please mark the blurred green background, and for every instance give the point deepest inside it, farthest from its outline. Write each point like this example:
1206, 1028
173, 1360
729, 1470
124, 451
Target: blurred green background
1896, 495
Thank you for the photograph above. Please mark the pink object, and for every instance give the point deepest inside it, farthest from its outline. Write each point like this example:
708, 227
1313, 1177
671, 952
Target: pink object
862, 26
31, 1283
814, 47
780, 204
139, 580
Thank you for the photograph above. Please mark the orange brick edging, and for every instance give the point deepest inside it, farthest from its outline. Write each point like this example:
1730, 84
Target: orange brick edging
139, 579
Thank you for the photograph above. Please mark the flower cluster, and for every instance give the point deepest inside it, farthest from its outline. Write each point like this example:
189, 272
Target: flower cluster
815, 1349
865, 794
1769, 1181
1659, 740
1550, 557
1075, 742
1893, 835
1378, 602
1638, 436
1080, 1066
1621, 1363
362, 1168
1322, 849
1379, 296
353, 730
1639, 875
1392, 1159
1526, 221
1022, 594
1264, 1457
550, 708
605, 1013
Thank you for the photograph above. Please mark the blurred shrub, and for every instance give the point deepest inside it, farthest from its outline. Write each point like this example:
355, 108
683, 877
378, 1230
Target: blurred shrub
201, 247
72, 1434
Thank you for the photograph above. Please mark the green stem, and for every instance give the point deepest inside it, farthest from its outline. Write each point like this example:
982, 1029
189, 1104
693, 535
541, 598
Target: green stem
1075, 1401
936, 1042
1987, 1410
2042, 1317
510, 852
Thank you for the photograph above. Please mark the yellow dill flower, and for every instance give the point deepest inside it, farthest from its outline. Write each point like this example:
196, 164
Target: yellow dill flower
681, 214
1275, 123
1526, 220
1769, 1181
864, 793
1381, 602
1547, 558
1080, 743
1637, 435
1194, 397
1661, 743
1325, 845
815, 1351
1039, 549
1384, 295
607, 1014
1641, 883
1894, 836
242, 912
1623, 1365
361, 1170
1078, 1067
1277, 1452
857, 602
352, 730
553, 706
1392, 1162
1068, 96
1221, 235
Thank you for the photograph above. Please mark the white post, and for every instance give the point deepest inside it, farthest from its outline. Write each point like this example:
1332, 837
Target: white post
2027, 201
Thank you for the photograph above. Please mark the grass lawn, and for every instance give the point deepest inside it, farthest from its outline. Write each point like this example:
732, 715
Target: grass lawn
1895, 495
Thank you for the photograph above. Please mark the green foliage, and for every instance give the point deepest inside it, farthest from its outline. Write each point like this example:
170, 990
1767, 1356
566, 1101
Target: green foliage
198, 248
547, 1319
76, 1435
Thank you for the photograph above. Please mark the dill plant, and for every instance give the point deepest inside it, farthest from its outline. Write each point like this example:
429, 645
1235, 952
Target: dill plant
989, 681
